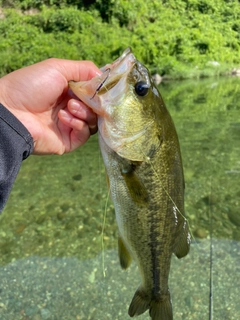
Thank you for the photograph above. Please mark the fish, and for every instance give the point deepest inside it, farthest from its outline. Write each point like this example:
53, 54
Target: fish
141, 153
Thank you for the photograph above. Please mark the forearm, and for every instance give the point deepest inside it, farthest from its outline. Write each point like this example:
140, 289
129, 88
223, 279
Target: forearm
16, 144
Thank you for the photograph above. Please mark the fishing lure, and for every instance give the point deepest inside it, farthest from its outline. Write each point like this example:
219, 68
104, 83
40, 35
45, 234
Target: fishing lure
102, 83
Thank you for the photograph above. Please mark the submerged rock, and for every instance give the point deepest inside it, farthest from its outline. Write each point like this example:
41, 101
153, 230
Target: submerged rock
46, 314
200, 233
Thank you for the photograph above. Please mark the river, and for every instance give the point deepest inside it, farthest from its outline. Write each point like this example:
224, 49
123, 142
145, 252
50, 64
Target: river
57, 259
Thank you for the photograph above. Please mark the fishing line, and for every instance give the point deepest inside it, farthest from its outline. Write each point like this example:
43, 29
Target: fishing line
173, 202
104, 212
108, 194
211, 257
102, 233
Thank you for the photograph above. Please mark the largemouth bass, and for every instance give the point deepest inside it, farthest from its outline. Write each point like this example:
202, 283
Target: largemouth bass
141, 153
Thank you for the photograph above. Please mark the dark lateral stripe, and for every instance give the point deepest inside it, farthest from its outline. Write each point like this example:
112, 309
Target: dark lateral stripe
155, 251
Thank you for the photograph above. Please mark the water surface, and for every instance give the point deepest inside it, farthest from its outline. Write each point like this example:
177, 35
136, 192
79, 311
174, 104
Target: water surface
52, 261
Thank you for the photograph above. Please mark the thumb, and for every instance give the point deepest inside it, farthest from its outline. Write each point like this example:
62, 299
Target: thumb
77, 70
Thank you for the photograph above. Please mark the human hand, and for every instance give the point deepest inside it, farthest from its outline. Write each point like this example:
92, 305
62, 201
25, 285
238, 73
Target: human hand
39, 97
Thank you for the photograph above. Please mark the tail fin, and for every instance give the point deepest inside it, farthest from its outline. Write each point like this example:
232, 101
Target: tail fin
159, 309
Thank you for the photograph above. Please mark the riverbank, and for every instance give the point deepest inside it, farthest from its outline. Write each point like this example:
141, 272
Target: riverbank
196, 73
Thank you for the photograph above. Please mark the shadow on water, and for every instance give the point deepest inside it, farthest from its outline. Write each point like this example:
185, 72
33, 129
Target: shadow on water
51, 264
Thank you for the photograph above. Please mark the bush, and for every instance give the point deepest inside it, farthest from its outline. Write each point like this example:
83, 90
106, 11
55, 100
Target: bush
171, 37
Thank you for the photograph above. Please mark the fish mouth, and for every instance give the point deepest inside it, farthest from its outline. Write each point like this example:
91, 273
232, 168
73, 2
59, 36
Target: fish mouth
116, 70
90, 91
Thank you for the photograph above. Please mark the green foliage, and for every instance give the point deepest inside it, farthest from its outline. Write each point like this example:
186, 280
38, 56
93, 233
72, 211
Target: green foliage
172, 37
37, 4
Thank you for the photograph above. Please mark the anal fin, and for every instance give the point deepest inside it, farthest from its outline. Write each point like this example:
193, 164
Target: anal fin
124, 256
140, 303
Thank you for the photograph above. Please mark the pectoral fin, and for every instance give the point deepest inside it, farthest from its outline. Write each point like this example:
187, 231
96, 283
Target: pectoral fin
136, 188
124, 256
107, 179
183, 242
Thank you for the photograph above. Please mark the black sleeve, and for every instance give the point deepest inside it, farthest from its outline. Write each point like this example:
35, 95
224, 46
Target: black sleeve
16, 144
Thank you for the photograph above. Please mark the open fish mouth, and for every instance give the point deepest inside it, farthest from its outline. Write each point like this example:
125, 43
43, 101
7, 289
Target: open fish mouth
88, 91
115, 71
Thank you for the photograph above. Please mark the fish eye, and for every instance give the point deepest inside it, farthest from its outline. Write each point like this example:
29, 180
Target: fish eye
141, 88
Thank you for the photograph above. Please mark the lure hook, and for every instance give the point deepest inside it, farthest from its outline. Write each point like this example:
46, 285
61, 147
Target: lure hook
102, 83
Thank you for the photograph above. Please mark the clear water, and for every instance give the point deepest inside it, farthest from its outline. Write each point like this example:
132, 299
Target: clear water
53, 253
